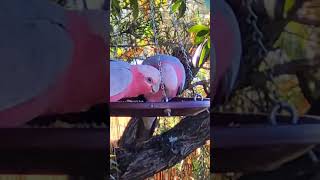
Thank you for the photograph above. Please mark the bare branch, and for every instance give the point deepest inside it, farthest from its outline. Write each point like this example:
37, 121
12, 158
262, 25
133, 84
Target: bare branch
291, 68
304, 20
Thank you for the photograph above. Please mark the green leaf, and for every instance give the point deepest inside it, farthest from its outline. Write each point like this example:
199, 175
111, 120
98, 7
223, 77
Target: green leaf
176, 5
116, 9
202, 33
293, 41
289, 4
204, 53
182, 9
199, 40
135, 8
297, 28
198, 27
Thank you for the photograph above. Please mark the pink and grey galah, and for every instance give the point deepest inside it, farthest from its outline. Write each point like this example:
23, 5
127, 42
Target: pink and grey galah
173, 76
128, 80
227, 50
53, 60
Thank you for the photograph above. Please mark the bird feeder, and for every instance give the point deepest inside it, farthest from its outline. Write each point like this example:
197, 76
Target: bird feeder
176, 107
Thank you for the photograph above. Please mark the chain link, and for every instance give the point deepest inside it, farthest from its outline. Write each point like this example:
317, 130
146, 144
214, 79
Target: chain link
252, 20
152, 13
176, 23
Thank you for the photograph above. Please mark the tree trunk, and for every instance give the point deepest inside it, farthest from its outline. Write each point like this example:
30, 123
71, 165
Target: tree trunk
163, 151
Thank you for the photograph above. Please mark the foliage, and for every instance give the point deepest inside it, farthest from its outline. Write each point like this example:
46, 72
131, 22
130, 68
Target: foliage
132, 31
201, 35
298, 43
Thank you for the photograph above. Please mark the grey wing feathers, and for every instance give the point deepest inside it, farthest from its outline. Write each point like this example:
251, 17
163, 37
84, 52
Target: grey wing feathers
120, 77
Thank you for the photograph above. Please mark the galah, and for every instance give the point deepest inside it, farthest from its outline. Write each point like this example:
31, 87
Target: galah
128, 80
227, 50
173, 76
53, 60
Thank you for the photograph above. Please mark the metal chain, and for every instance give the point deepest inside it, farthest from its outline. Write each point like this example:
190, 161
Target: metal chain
252, 20
152, 13
175, 23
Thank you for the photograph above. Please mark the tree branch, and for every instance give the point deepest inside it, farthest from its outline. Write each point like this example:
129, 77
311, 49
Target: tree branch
305, 20
295, 66
292, 68
158, 153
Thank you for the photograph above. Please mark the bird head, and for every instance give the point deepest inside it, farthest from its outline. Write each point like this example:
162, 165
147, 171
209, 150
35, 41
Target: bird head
150, 77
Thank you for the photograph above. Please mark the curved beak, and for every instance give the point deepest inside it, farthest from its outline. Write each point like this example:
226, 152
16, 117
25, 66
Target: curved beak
156, 87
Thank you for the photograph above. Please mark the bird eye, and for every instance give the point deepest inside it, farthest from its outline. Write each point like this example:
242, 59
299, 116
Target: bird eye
149, 80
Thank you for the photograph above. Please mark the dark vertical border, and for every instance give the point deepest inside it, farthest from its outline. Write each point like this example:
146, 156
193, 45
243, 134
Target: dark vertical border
106, 7
212, 76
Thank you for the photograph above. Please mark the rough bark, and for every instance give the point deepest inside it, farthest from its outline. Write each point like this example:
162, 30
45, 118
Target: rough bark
158, 153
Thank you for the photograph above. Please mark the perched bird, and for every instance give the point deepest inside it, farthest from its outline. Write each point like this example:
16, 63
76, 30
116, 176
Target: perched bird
52, 60
174, 77
128, 80
227, 50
